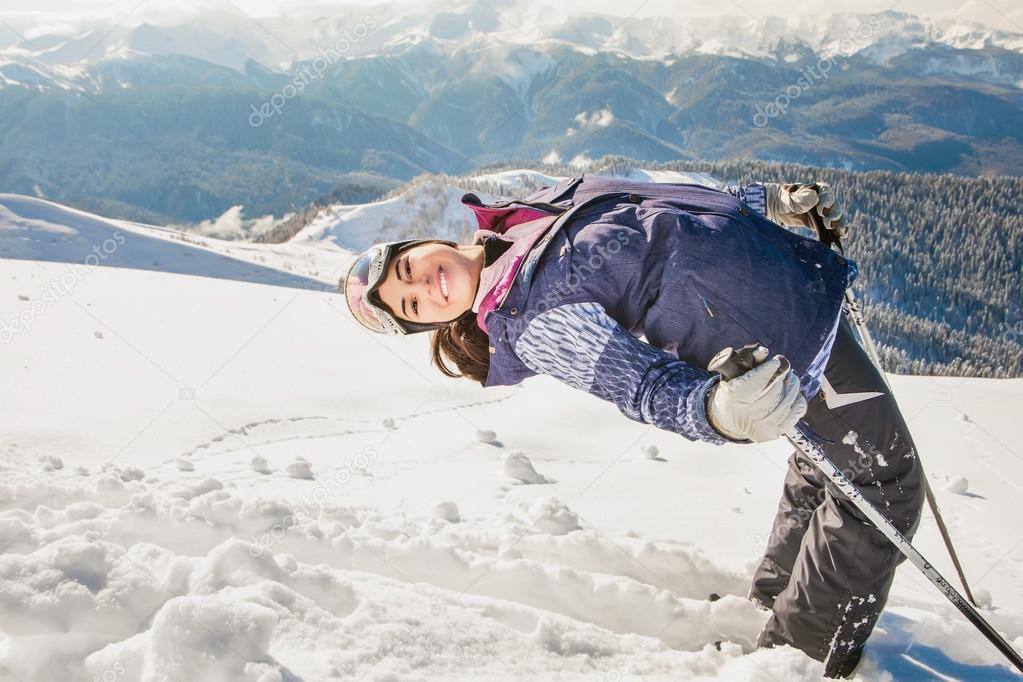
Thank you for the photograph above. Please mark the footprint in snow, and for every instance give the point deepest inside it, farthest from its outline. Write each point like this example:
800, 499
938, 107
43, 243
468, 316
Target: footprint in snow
518, 466
184, 465
300, 468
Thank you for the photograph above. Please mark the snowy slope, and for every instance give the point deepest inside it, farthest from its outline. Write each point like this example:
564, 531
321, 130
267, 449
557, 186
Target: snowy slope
209, 477
37, 229
425, 210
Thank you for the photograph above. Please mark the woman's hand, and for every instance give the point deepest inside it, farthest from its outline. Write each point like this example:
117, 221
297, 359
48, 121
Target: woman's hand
760, 404
805, 204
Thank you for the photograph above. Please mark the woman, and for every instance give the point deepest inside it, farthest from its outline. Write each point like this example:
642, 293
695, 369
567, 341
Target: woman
565, 282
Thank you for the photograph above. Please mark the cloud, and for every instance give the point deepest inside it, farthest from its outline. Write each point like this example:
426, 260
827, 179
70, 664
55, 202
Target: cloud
232, 225
553, 156
601, 119
581, 160
50, 29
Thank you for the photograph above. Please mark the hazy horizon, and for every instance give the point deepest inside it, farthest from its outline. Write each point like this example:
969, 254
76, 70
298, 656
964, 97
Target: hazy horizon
29, 17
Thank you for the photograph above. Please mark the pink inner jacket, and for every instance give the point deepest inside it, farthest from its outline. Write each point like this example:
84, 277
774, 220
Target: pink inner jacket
496, 278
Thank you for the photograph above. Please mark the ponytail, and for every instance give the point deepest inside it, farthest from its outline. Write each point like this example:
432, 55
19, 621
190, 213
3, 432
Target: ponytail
466, 345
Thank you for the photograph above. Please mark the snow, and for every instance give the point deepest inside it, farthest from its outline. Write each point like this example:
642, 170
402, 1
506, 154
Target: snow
516, 48
600, 119
260, 465
407, 552
300, 468
39, 229
688, 177
518, 467
486, 436
447, 510
355, 227
650, 451
517, 63
958, 485
514, 182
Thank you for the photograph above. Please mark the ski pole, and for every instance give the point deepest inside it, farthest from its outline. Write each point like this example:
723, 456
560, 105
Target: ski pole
730, 364
867, 341
856, 313
831, 238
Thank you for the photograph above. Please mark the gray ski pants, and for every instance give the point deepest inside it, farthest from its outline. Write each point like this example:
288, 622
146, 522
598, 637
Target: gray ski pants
827, 570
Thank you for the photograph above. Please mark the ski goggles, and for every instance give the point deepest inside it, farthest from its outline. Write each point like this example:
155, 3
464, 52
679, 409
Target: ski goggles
365, 276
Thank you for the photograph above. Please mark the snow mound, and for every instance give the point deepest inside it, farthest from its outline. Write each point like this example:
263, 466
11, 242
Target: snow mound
650, 451
131, 474
233, 634
49, 462
300, 468
259, 465
552, 516
957, 485
519, 467
447, 511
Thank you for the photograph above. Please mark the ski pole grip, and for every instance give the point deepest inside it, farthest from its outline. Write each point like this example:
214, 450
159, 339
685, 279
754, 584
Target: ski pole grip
730, 363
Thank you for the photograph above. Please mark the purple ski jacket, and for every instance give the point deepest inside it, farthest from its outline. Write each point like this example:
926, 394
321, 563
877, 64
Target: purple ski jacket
689, 268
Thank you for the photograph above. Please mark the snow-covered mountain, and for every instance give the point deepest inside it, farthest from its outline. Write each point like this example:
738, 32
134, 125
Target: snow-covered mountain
449, 28
433, 209
210, 472
209, 111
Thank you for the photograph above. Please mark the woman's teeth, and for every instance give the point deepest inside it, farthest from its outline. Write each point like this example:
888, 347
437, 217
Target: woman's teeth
443, 278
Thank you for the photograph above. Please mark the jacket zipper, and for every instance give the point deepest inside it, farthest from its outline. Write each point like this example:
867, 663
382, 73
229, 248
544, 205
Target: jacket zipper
505, 296
518, 267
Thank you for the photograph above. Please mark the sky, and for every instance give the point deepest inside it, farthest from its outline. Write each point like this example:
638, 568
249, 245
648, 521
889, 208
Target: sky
1003, 14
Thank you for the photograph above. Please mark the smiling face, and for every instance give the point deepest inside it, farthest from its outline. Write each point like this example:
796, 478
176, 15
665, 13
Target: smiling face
432, 282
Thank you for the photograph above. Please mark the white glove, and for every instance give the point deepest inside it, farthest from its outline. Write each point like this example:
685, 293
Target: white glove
759, 405
791, 204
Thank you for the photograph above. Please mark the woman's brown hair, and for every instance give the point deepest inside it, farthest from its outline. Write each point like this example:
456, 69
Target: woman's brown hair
463, 342
466, 345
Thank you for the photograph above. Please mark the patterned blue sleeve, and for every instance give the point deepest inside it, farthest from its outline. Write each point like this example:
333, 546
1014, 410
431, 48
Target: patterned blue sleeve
580, 344
753, 194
